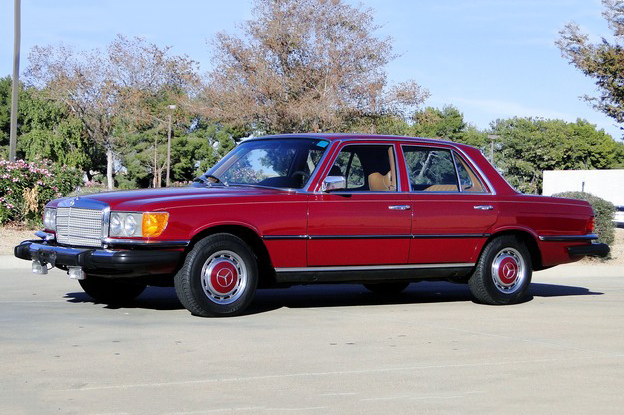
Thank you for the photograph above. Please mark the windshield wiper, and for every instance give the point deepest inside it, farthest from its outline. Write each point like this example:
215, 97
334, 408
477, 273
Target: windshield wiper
209, 180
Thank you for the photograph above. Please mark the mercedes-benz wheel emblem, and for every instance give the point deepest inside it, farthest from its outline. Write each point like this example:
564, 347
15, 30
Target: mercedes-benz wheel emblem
509, 270
225, 277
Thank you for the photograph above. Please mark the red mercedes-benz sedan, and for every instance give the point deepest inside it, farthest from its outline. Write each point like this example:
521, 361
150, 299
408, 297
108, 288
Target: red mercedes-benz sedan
316, 208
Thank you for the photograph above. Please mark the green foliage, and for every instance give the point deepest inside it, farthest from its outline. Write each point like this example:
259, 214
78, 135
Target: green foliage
602, 61
25, 188
527, 146
195, 147
604, 210
5, 110
47, 130
448, 124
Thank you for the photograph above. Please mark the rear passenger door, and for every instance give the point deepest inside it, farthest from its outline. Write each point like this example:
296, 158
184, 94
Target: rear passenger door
452, 208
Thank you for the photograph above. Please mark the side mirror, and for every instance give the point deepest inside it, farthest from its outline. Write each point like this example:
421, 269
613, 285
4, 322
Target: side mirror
334, 183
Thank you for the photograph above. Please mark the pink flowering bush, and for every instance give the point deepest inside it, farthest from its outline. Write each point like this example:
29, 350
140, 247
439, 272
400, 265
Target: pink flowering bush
25, 188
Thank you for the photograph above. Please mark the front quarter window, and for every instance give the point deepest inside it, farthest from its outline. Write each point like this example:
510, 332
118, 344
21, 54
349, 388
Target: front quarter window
283, 163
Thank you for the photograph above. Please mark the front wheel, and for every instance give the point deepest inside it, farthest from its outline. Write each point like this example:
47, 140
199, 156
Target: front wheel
111, 290
503, 273
218, 278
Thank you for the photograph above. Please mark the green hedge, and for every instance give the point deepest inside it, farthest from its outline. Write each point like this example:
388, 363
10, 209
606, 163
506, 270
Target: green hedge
25, 188
604, 210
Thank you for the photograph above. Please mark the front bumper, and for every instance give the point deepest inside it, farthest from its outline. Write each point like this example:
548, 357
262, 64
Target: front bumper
599, 250
103, 262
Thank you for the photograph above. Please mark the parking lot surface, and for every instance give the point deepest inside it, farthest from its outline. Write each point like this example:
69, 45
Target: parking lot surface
316, 350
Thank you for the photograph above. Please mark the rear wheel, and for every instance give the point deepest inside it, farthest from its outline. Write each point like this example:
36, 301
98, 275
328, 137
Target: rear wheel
111, 290
503, 273
387, 288
219, 277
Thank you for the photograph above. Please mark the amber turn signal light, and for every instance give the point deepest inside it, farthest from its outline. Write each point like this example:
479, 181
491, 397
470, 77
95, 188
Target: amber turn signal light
154, 223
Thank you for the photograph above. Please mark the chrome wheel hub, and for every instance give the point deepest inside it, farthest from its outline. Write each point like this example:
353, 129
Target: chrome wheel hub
508, 270
224, 277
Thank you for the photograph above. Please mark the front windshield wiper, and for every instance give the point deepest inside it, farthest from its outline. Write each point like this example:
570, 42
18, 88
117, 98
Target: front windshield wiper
209, 180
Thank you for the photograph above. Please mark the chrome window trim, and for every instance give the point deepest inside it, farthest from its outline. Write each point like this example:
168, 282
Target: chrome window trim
489, 186
434, 192
482, 175
347, 143
376, 267
471, 163
459, 184
223, 161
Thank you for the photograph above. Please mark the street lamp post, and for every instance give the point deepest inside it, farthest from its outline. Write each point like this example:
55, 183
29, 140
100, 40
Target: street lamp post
15, 86
172, 108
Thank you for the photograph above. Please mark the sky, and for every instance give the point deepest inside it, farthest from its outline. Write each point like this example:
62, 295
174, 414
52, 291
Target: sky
489, 58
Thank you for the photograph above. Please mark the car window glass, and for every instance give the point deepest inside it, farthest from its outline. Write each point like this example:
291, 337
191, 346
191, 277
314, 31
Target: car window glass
468, 179
366, 167
430, 169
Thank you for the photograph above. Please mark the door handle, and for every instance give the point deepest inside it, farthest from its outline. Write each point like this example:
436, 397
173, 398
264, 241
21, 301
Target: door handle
399, 207
484, 207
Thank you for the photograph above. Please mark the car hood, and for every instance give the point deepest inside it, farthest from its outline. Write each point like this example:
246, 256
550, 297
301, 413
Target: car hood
157, 199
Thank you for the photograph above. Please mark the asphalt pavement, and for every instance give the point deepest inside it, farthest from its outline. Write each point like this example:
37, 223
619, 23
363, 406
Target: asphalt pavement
316, 350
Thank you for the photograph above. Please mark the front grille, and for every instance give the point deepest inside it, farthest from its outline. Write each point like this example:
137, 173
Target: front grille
77, 226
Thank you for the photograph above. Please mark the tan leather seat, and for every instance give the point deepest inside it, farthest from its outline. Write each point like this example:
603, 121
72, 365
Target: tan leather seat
442, 188
377, 182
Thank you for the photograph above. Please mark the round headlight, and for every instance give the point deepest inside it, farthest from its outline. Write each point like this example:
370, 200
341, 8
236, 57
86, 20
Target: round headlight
115, 224
49, 219
130, 225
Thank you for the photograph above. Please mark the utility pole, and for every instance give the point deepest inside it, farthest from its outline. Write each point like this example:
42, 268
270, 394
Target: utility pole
15, 86
172, 108
492, 137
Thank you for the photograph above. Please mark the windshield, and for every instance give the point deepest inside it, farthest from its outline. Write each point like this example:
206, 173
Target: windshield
285, 163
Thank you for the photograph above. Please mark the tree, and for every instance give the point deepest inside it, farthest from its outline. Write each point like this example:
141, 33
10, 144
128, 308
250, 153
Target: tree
108, 89
305, 65
602, 61
528, 146
46, 130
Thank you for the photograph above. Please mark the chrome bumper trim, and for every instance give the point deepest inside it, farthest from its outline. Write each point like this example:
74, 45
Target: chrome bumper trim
569, 238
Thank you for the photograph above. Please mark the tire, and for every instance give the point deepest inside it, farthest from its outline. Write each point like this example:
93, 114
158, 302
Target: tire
219, 277
387, 288
503, 273
111, 290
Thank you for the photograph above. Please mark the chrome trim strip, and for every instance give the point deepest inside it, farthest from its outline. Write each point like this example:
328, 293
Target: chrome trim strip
398, 236
451, 236
568, 238
319, 237
112, 241
375, 267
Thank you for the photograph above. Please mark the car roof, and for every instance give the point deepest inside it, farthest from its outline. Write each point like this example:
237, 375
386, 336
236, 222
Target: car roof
353, 136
